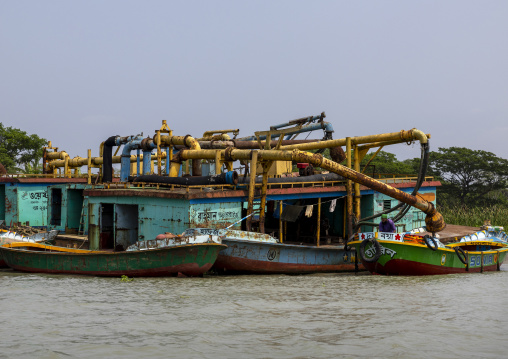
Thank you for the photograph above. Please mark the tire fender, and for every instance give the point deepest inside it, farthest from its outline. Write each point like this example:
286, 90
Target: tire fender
376, 246
430, 242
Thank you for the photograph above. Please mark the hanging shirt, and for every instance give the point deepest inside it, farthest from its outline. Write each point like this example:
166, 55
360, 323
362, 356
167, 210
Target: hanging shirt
332, 205
387, 226
308, 211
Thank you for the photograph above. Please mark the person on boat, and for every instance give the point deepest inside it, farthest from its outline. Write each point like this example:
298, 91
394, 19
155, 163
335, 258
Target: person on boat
386, 224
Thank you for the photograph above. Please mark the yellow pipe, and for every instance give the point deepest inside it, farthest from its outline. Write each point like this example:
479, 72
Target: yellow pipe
349, 190
402, 136
356, 202
187, 141
252, 186
434, 219
95, 161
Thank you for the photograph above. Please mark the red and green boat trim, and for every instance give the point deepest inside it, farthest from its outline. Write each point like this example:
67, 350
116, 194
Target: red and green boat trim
409, 254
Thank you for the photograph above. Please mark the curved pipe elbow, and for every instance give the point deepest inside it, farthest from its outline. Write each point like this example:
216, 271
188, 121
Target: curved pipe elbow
419, 135
191, 143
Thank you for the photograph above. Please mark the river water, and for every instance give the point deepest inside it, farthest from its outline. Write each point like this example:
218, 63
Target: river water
275, 316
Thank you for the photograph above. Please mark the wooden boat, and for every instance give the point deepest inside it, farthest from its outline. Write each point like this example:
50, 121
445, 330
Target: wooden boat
256, 253
413, 254
8, 237
161, 259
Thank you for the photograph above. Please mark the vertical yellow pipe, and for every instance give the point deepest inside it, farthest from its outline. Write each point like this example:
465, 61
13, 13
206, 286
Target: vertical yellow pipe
318, 232
357, 185
89, 166
349, 190
218, 164
252, 186
159, 155
67, 172
264, 187
174, 169
280, 222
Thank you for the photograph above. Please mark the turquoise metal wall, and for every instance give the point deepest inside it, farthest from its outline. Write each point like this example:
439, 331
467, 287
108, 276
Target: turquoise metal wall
2, 201
414, 218
26, 204
66, 212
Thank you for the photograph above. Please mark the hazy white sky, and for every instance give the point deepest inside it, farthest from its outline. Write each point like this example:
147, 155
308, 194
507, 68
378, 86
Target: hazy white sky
77, 72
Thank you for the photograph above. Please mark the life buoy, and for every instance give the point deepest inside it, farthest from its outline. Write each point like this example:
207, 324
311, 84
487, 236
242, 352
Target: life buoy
461, 254
430, 242
376, 246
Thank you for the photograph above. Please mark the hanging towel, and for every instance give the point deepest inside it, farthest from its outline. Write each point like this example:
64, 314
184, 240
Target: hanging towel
332, 205
291, 213
308, 211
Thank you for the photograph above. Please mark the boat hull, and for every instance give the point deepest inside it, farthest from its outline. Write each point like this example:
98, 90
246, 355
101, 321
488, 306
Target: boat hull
243, 256
189, 260
415, 259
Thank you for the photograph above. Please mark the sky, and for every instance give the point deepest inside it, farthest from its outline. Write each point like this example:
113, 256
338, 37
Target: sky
77, 72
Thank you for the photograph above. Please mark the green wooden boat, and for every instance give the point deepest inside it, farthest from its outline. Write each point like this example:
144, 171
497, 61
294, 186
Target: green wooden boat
186, 259
411, 254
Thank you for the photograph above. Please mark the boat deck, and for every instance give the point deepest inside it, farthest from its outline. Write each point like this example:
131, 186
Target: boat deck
453, 232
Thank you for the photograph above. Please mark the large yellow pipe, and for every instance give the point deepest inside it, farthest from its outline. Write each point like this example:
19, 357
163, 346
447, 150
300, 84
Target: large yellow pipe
434, 219
176, 162
96, 161
394, 137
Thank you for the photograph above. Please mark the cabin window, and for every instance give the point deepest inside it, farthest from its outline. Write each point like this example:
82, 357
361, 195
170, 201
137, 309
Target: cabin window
56, 206
387, 204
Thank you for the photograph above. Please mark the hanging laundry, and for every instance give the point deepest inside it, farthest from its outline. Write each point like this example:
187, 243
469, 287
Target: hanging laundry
332, 205
291, 213
308, 211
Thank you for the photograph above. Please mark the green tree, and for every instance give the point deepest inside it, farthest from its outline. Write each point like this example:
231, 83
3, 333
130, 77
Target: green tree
19, 151
387, 163
468, 177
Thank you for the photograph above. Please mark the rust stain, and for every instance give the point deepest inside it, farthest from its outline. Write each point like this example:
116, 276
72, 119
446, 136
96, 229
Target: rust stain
430, 197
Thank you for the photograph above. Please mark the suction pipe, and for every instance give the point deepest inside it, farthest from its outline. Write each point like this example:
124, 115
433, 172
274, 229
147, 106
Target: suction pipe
434, 219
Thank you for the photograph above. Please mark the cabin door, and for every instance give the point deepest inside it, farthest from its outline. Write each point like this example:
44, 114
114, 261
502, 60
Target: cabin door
126, 225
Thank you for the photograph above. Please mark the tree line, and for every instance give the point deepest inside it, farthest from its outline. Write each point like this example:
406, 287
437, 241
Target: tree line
19, 151
468, 177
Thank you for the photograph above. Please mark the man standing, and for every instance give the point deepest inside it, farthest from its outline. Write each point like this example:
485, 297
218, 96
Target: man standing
386, 224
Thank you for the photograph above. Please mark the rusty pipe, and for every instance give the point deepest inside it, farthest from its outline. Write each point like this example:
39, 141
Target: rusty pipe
187, 141
96, 161
222, 132
434, 219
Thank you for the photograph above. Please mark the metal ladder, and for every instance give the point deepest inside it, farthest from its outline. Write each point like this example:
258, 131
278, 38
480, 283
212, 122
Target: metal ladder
84, 212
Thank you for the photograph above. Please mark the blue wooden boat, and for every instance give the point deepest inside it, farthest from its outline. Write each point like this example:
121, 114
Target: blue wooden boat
256, 253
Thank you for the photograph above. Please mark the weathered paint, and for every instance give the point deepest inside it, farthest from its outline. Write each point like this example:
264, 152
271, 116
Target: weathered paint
2, 201
401, 258
215, 215
29, 204
244, 256
67, 213
190, 260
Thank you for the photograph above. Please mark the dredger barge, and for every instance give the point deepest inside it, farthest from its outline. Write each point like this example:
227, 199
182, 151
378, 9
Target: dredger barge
280, 204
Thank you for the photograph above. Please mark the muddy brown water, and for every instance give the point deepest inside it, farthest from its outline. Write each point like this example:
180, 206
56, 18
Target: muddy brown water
275, 316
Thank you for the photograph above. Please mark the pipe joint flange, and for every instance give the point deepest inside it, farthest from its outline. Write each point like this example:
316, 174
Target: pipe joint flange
145, 144
185, 140
228, 155
177, 157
